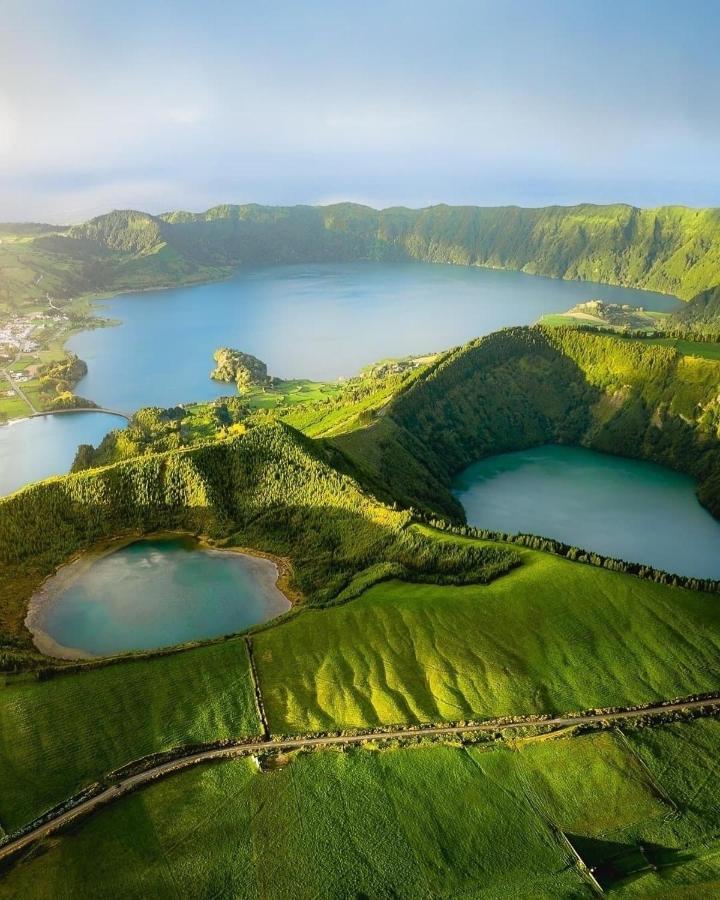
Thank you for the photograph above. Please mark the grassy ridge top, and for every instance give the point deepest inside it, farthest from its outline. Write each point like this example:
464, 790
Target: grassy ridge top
526, 386
670, 249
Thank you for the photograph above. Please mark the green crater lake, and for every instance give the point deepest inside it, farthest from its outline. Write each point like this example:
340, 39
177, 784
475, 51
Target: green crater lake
625, 508
152, 593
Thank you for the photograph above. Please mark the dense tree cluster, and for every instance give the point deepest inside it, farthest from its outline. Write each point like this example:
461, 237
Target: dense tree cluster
522, 387
58, 380
271, 489
244, 369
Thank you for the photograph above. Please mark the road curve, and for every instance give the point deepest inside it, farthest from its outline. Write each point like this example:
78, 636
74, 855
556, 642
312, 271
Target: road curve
146, 776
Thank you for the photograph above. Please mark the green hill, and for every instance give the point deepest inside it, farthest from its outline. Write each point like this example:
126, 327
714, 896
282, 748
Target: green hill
670, 249
272, 489
526, 386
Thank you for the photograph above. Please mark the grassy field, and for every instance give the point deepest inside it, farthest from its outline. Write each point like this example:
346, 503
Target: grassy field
481, 821
550, 637
684, 758
703, 349
59, 735
408, 823
631, 320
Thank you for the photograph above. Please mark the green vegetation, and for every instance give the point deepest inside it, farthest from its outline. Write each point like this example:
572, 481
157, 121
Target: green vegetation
60, 735
319, 409
703, 349
702, 314
396, 622
670, 249
407, 823
609, 316
428, 821
271, 489
521, 387
550, 637
244, 369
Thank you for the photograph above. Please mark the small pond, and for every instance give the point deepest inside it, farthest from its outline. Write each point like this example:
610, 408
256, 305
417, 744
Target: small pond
152, 593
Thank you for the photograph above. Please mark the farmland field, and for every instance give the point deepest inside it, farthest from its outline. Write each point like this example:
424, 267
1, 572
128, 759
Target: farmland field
60, 735
420, 821
550, 637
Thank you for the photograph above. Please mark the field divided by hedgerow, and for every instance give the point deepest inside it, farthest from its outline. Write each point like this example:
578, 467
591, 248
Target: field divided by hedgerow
549, 637
60, 735
484, 821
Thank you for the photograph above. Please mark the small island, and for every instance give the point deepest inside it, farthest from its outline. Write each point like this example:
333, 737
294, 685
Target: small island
246, 370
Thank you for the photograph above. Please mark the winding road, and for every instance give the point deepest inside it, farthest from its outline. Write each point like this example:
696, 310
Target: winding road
124, 786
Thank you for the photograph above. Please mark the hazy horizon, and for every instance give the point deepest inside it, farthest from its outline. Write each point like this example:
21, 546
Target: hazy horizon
161, 212
173, 106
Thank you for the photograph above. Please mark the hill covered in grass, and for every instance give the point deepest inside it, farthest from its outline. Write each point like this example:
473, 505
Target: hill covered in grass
271, 489
670, 249
527, 386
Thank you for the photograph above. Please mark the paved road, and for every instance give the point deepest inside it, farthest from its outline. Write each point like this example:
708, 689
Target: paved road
80, 409
19, 391
85, 807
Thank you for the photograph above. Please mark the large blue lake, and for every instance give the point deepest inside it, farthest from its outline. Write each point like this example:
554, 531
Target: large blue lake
308, 321
619, 507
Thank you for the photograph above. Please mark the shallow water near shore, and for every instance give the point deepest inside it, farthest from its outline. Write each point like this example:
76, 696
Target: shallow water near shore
152, 593
624, 508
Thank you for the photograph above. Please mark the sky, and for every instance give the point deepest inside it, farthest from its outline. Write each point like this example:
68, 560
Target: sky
182, 105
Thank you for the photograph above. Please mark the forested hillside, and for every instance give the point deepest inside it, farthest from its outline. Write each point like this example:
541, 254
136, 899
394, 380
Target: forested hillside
527, 386
272, 489
671, 249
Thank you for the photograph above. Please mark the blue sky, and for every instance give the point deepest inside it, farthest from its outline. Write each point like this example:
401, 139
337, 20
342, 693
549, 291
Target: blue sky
183, 105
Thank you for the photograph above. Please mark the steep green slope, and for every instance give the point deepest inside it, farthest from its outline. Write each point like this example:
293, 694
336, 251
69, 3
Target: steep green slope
272, 489
550, 637
670, 249
702, 314
526, 386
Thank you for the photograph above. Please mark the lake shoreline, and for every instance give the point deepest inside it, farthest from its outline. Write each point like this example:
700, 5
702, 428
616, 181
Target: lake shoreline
58, 581
93, 298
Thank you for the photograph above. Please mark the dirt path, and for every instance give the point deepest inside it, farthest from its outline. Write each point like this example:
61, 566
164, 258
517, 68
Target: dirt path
130, 783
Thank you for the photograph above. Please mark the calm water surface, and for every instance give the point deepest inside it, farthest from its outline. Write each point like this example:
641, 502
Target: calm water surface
619, 507
35, 448
310, 321
306, 321
154, 593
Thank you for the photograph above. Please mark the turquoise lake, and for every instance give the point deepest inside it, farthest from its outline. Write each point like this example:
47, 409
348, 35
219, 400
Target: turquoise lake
153, 593
632, 510
318, 321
